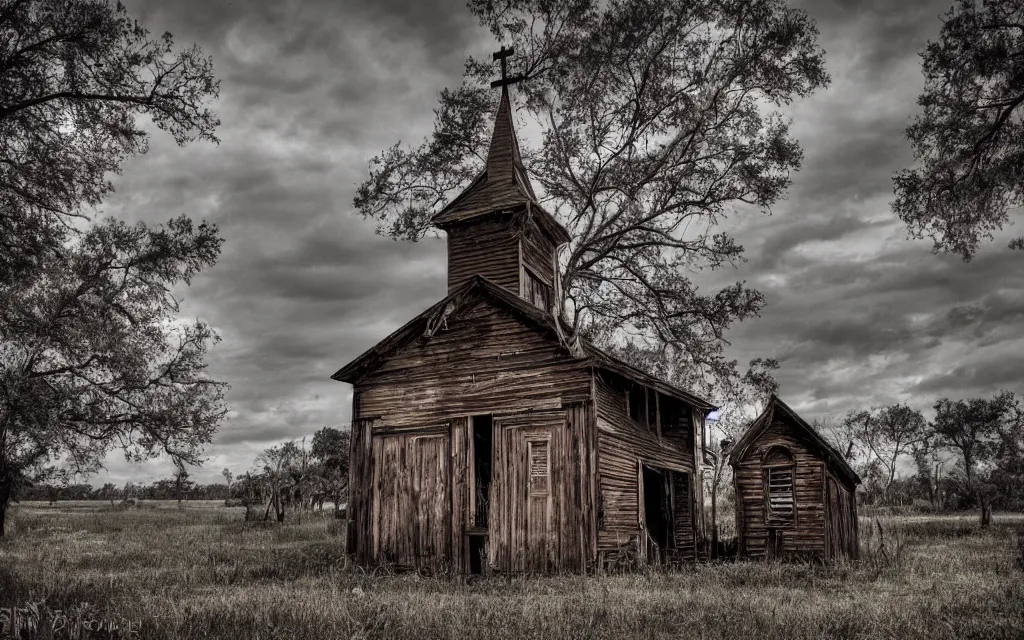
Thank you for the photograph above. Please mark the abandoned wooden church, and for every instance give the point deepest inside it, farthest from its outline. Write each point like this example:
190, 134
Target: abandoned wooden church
483, 441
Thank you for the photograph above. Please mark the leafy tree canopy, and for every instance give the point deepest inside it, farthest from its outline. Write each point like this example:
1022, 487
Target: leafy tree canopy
93, 356
968, 140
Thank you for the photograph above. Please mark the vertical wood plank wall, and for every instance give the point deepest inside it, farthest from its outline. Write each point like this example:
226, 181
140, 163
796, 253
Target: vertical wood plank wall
537, 251
360, 484
551, 530
840, 519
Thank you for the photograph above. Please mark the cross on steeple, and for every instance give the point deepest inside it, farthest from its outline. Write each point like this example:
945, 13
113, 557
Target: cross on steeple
502, 55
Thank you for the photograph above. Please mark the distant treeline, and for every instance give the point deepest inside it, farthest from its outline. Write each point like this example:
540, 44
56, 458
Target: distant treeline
286, 477
166, 489
969, 456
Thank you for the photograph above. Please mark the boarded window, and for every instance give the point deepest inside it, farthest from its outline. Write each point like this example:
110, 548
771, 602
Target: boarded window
539, 467
780, 493
537, 292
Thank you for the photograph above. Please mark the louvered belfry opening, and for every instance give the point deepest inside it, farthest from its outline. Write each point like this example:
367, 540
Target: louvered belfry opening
778, 478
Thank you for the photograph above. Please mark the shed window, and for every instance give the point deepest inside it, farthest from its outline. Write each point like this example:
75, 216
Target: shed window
778, 477
539, 467
780, 493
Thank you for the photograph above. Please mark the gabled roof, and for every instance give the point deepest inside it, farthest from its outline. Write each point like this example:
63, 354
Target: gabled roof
763, 421
503, 184
479, 287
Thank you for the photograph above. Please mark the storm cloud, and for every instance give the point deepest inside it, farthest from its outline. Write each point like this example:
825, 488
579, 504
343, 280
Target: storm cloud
858, 314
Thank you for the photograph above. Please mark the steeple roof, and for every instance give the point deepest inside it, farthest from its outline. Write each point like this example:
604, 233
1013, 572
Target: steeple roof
503, 184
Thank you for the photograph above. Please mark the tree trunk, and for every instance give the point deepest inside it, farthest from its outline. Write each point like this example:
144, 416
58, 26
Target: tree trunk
5, 500
986, 512
714, 520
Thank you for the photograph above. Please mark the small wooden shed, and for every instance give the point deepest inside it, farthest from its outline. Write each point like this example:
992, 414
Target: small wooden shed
795, 494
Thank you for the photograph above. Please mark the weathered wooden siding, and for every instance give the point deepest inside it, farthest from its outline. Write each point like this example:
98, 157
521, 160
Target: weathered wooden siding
485, 361
489, 248
538, 252
622, 444
841, 519
412, 485
806, 535
360, 488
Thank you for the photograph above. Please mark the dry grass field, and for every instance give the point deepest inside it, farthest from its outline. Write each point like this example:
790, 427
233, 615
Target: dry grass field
203, 573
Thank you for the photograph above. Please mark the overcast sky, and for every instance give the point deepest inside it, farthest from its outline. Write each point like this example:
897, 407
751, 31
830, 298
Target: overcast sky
858, 315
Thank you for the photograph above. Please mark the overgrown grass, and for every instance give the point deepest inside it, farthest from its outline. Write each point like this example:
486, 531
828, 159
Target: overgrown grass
202, 572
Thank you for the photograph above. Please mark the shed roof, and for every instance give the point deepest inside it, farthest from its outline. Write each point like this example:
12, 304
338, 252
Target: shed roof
479, 287
763, 421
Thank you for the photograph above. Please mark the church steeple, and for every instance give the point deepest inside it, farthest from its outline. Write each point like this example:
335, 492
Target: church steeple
504, 162
496, 228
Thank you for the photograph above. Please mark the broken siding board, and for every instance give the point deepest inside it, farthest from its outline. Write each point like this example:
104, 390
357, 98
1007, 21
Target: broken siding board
360, 481
462, 503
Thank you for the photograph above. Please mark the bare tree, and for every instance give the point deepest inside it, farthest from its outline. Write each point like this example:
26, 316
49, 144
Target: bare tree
843, 434
734, 417
889, 434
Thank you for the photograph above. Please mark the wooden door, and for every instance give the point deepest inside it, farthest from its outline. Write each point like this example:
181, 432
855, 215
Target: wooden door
838, 530
432, 489
524, 484
411, 512
684, 540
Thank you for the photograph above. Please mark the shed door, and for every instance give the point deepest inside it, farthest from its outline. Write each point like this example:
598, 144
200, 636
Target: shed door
837, 519
412, 499
524, 484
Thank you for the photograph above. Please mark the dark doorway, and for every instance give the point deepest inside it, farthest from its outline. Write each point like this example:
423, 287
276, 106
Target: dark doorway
657, 514
482, 446
477, 554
